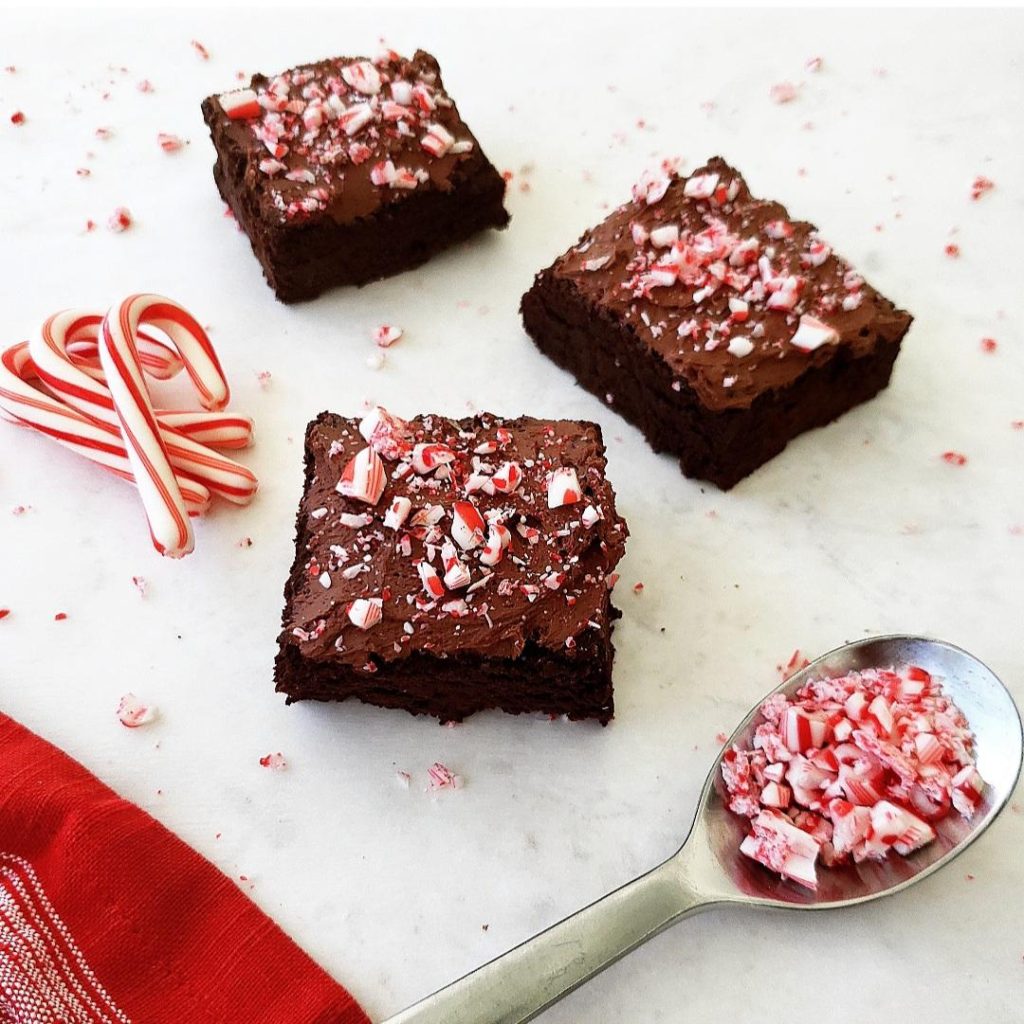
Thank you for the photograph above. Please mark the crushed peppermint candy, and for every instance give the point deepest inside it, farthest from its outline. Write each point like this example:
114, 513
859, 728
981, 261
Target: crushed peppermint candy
782, 92
120, 220
851, 768
442, 777
275, 762
132, 712
981, 186
387, 334
169, 143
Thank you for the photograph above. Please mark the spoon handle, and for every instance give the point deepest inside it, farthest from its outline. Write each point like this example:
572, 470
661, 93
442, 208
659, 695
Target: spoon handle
515, 987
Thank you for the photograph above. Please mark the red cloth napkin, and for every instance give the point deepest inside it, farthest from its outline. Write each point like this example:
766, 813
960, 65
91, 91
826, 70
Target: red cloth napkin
105, 916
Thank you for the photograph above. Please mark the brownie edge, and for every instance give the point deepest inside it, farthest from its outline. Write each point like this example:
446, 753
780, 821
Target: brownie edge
722, 446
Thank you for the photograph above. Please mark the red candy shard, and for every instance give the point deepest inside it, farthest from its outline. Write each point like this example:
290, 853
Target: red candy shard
980, 186
365, 612
467, 525
563, 487
240, 105
442, 777
132, 712
363, 477
120, 220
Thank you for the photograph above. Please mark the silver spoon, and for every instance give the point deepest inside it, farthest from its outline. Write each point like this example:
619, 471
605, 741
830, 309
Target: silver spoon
708, 870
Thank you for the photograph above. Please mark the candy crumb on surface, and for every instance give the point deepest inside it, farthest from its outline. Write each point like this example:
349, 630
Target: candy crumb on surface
132, 712
442, 777
275, 762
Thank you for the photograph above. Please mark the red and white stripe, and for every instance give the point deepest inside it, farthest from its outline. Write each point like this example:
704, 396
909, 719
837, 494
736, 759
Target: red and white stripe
563, 487
145, 443
44, 976
364, 477
467, 525
186, 435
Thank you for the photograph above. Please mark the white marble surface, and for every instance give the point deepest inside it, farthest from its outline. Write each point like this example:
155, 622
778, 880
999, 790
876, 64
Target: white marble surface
856, 529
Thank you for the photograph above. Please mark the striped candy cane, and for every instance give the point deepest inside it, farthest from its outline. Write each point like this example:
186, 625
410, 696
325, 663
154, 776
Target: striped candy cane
27, 406
184, 435
144, 443
81, 382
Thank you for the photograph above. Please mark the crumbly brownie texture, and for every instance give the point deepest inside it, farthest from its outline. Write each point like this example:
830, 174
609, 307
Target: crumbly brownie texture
348, 170
713, 321
448, 566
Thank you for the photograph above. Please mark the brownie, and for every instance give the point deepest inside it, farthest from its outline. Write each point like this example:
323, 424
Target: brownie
447, 566
348, 170
714, 322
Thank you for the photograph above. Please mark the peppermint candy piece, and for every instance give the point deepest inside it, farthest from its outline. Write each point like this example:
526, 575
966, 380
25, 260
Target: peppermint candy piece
467, 525
365, 612
563, 487
426, 457
363, 77
507, 478
131, 712
456, 575
240, 105
700, 186
387, 334
355, 118
812, 334
498, 539
363, 477
429, 578
438, 140
740, 347
385, 433
397, 513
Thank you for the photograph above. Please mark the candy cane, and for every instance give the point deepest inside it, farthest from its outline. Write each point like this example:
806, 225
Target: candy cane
29, 407
81, 382
144, 442
182, 434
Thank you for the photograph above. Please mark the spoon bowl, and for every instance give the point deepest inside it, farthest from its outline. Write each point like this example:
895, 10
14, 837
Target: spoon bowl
708, 870
714, 841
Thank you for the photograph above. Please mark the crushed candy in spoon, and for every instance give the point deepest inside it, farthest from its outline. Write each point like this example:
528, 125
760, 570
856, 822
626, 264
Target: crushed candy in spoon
850, 768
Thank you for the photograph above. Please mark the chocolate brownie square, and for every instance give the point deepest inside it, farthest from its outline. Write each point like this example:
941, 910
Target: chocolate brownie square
448, 566
715, 322
348, 170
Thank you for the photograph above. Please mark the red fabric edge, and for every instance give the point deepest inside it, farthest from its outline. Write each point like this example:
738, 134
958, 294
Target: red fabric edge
169, 935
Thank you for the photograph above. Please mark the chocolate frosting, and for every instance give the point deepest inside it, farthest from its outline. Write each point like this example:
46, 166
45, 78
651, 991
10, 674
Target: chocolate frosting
525, 596
607, 266
342, 188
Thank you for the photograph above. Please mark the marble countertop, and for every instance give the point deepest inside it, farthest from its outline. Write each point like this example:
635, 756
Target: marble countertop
856, 529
